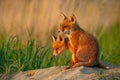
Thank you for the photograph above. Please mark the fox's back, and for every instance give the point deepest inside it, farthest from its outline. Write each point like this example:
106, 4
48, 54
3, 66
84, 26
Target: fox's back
85, 44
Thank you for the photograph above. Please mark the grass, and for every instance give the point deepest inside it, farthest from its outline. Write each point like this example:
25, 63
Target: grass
109, 41
16, 55
19, 55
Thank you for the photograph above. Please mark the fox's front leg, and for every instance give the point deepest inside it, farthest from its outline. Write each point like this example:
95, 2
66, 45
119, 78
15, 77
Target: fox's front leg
70, 66
74, 58
73, 61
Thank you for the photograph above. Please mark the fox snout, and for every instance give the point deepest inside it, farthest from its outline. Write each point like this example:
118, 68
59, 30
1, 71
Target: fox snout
54, 54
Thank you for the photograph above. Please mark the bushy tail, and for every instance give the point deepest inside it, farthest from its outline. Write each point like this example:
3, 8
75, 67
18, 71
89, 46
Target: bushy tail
101, 66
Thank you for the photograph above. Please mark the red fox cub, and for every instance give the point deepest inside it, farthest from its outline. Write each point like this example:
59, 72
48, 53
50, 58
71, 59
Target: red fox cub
83, 46
59, 44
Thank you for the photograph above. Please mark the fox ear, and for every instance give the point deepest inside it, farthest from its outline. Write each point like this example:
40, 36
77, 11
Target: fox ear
63, 16
72, 19
60, 38
53, 37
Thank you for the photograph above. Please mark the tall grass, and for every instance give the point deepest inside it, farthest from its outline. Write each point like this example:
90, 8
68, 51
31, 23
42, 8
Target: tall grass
21, 55
109, 41
42, 15
16, 55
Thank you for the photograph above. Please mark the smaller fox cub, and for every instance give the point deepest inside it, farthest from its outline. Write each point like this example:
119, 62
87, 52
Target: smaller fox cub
83, 46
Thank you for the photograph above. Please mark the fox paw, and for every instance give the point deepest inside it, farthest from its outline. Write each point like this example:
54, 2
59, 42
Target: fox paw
67, 68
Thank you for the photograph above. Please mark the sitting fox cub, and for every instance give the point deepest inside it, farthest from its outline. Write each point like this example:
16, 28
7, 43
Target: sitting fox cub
83, 46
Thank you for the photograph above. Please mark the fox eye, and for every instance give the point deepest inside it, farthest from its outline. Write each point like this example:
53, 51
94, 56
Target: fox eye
64, 26
57, 48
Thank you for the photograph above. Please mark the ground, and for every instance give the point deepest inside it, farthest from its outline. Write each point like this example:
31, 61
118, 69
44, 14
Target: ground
58, 73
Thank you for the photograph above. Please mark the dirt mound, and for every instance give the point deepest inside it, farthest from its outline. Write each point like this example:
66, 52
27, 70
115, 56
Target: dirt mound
58, 73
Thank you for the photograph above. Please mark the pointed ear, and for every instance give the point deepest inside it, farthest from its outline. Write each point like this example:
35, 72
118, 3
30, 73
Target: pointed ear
63, 16
60, 38
72, 19
53, 37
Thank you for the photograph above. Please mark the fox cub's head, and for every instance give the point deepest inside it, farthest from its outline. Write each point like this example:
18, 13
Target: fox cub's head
67, 23
59, 45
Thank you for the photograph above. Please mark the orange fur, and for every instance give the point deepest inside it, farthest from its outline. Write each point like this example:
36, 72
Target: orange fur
84, 46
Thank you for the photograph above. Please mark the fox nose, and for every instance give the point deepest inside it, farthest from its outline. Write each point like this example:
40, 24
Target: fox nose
54, 55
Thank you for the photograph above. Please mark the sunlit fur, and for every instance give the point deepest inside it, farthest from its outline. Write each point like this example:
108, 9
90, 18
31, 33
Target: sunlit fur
84, 46
59, 45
